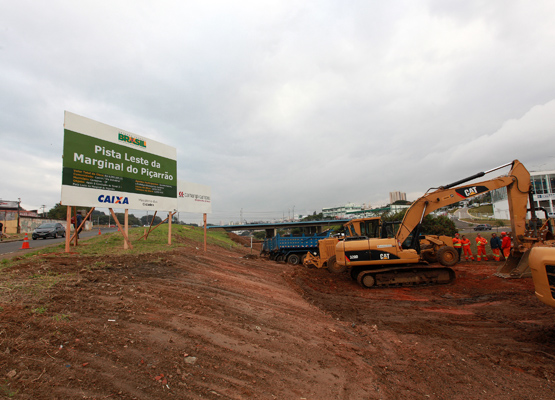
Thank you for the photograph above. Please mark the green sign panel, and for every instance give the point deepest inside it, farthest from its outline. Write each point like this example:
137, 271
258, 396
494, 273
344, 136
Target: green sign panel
104, 166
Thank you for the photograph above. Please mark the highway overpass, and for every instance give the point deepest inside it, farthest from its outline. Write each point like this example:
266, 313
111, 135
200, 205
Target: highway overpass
308, 227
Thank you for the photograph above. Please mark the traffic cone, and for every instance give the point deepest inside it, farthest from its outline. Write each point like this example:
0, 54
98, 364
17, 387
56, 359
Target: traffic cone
99, 231
25, 244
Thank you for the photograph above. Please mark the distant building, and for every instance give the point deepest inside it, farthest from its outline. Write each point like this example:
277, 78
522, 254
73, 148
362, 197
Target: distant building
341, 211
543, 184
395, 196
376, 212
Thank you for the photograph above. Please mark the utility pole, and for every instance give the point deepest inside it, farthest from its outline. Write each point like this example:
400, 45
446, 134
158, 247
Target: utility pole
18, 215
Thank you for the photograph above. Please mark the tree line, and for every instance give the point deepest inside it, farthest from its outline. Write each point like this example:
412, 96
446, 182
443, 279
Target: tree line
101, 218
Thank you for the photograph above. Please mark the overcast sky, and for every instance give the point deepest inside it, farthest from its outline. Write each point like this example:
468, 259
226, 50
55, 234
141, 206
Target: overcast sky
282, 104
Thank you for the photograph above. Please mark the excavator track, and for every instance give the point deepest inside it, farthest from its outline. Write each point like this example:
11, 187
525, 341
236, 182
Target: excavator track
413, 276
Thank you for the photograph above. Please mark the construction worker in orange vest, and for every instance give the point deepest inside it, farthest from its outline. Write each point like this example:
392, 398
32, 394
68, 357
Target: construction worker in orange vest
495, 244
466, 248
457, 244
505, 244
481, 245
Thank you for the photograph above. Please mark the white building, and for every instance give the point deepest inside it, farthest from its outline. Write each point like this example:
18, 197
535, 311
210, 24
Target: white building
543, 184
341, 211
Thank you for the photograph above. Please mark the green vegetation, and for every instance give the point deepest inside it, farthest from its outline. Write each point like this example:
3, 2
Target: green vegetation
6, 391
101, 218
440, 225
34, 286
60, 317
314, 217
485, 209
431, 225
260, 235
112, 243
38, 310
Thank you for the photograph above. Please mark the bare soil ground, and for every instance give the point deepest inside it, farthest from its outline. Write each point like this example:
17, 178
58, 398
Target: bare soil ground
225, 324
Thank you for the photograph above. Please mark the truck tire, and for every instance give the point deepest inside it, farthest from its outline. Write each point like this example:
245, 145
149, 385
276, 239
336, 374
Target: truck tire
334, 267
447, 256
294, 259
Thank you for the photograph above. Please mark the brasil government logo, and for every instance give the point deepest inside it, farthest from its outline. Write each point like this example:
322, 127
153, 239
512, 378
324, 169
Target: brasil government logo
129, 139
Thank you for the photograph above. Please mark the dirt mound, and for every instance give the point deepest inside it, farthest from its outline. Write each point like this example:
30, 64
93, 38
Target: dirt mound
217, 325
246, 242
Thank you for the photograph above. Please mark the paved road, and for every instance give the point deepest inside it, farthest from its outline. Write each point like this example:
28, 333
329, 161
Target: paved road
11, 247
462, 226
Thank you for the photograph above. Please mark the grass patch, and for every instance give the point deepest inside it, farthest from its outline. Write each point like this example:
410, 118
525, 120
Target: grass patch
215, 237
38, 310
37, 283
60, 317
5, 390
112, 243
485, 209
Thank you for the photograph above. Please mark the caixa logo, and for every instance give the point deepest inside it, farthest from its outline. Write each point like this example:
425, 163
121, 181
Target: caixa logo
113, 199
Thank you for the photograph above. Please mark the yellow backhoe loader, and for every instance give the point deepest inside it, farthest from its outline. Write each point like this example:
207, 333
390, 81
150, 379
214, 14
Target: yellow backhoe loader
400, 260
372, 227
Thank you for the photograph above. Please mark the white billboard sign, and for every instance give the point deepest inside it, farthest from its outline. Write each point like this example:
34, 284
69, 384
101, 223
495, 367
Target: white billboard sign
8, 204
193, 197
104, 166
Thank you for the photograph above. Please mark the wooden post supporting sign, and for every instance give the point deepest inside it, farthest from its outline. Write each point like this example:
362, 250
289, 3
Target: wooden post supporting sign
124, 233
68, 228
204, 219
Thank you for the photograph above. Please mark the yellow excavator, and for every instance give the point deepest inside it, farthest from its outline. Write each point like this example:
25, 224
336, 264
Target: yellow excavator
373, 228
542, 264
400, 260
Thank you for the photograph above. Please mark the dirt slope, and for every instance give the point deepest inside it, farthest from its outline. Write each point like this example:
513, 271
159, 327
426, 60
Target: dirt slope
223, 325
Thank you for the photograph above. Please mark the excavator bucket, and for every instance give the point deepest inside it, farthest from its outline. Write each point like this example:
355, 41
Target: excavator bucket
515, 266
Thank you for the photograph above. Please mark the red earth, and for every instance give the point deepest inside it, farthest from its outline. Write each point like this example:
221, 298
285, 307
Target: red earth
225, 324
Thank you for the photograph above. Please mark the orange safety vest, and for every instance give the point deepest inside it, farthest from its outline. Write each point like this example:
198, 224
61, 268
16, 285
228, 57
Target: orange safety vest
481, 241
465, 242
456, 242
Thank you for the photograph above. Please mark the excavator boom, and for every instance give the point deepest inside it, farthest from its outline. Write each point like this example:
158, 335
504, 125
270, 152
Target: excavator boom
517, 183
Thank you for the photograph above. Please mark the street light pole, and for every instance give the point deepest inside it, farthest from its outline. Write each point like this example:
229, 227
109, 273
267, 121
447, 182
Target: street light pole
18, 215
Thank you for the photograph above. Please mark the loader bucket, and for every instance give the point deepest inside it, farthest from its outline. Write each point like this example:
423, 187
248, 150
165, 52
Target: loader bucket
515, 266
311, 261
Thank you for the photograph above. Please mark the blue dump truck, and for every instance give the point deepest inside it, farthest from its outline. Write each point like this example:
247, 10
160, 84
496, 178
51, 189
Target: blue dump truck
292, 249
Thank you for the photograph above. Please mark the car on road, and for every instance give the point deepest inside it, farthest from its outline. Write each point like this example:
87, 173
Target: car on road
483, 227
49, 229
